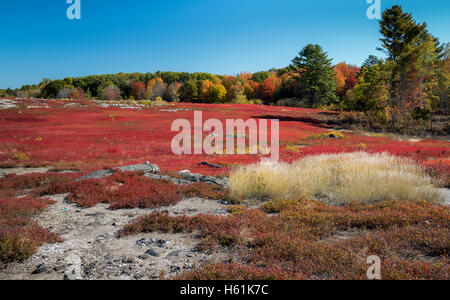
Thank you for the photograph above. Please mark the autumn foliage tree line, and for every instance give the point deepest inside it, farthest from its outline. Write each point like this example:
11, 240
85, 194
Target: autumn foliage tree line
404, 88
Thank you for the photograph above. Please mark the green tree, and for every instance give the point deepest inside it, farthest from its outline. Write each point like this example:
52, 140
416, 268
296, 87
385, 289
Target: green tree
372, 91
414, 54
52, 89
314, 71
259, 77
371, 60
189, 91
399, 31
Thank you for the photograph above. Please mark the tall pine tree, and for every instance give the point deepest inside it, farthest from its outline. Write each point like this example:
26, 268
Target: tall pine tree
414, 53
314, 71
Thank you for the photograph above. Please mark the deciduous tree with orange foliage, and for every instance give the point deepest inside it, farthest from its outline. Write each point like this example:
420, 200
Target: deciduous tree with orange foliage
78, 94
268, 87
346, 78
138, 90
204, 90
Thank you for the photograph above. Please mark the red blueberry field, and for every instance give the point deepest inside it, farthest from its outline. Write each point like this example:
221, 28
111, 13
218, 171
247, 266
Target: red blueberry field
205, 231
90, 137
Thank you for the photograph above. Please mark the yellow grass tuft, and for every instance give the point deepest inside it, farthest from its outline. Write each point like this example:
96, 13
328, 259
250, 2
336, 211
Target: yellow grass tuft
337, 179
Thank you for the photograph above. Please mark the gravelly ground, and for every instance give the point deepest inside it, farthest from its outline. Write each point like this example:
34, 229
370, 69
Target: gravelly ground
92, 250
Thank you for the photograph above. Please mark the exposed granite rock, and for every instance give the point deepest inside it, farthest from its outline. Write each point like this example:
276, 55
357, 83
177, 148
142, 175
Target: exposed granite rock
148, 168
152, 171
223, 182
97, 175
176, 181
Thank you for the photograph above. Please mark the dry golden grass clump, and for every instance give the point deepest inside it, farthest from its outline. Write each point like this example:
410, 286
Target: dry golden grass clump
337, 179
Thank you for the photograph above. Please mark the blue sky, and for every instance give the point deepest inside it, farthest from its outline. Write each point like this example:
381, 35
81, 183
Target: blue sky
222, 37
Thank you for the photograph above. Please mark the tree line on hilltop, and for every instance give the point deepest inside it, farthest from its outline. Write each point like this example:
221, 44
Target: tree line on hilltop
409, 84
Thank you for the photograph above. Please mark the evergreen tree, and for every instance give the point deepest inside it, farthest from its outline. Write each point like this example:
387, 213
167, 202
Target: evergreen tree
189, 91
414, 53
314, 71
370, 61
399, 31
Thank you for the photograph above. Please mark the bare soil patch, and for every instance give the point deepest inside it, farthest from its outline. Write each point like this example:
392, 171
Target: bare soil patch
92, 249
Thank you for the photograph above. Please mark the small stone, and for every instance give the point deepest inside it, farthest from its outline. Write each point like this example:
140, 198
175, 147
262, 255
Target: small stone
144, 256
175, 268
59, 268
174, 254
160, 243
40, 269
127, 270
128, 260
152, 252
72, 275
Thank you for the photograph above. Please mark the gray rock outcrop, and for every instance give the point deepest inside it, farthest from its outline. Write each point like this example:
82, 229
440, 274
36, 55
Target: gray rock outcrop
148, 168
153, 171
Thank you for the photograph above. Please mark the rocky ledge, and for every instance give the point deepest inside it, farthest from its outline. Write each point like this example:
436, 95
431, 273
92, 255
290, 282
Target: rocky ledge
153, 171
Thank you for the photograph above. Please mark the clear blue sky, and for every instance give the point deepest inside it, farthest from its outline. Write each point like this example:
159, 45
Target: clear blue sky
217, 36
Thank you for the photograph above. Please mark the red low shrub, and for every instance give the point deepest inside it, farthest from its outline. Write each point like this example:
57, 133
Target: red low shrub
97, 136
299, 240
13, 185
440, 169
130, 190
20, 243
124, 190
19, 235
13, 208
203, 190
235, 271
